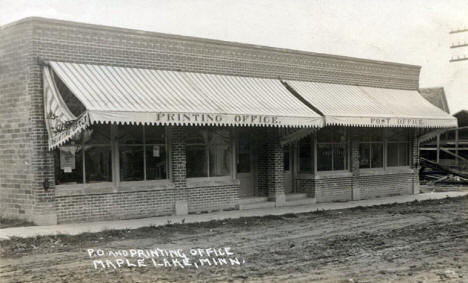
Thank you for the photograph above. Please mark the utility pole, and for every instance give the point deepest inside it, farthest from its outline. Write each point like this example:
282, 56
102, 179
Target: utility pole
461, 46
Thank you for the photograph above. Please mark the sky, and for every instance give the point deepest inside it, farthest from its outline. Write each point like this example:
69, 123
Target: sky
410, 31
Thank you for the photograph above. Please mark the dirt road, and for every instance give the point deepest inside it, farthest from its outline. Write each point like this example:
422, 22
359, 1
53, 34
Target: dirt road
415, 242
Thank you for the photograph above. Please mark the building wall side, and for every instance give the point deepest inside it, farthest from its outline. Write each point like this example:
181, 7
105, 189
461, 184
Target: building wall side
17, 177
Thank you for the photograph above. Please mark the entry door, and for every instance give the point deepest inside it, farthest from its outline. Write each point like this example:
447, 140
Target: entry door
245, 165
287, 167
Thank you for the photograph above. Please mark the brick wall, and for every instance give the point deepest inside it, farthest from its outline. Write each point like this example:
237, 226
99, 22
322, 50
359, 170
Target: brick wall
210, 198
83, 43
306, 186
16, 127
333, 189
385, 185
124, 205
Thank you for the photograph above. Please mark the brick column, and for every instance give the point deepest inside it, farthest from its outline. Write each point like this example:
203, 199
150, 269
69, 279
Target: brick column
44, 210
354, 162
274, 167
415, 161
178, 169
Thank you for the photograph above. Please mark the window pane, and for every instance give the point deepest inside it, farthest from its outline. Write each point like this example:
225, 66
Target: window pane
98, 163
364, 155
130, 134
339, 157
155, 135
97, 134
306, 160
324, 157
220, 160
377, 155
392, 154
403, 154
73, 177
197, 163
220, 152
156, 162
243, 162
131, 163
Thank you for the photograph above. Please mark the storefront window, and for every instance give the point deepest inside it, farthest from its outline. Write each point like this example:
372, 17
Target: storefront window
142, 153
306, 155
209, 152
332, 149
397, 147
371, 148
94, 147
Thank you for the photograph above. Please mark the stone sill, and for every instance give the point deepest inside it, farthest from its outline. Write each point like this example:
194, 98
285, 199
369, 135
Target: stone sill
110, 188
324, 175
211, 182
387, 171
331, 175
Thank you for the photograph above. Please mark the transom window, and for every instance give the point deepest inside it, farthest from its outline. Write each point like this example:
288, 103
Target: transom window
209, 152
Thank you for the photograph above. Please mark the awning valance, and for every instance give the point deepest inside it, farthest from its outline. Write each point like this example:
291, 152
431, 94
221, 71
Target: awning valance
155, 97
371, 107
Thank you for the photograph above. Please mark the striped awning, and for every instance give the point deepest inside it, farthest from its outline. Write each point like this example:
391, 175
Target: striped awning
155, 97
371, 107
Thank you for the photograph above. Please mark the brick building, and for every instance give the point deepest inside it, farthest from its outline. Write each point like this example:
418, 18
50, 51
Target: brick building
101, 123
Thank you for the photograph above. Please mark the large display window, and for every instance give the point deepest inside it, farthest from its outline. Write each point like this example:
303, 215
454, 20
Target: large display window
332, 149
209, 152
135, 153
371, 148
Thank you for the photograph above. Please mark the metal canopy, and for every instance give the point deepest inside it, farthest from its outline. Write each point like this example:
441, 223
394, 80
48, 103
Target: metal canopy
143, 96
367, 106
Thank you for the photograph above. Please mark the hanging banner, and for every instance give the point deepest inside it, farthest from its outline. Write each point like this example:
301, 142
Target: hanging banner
61, 124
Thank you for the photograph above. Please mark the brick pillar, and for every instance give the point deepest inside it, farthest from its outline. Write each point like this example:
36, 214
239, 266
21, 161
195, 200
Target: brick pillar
354, 165
178, 169
44, 210
274, 167
415, 161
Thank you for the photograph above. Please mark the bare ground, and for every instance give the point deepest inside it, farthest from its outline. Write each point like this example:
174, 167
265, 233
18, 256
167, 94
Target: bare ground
414, 242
